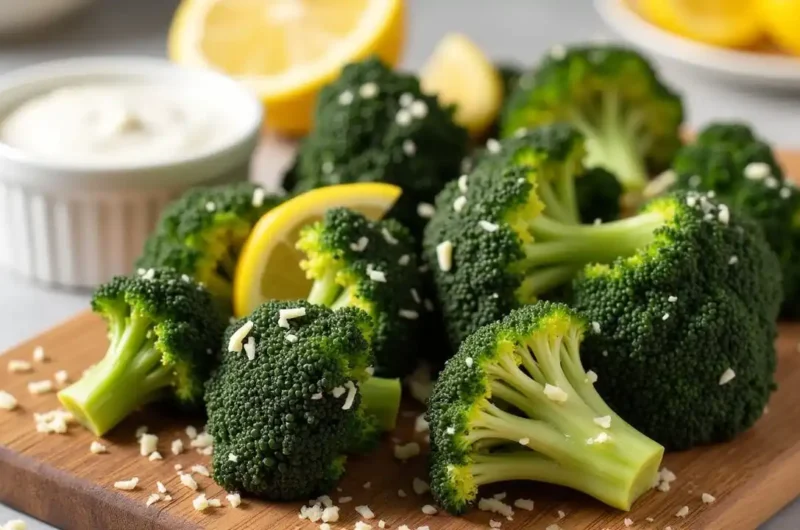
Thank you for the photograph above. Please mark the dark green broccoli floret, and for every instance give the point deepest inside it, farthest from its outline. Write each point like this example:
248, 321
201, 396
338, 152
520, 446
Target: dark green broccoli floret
286, 409
370, 265
202, 233
163, 332
515, 403
677, 320
375, 124
599, 196
742, 171
509, 248
630, 118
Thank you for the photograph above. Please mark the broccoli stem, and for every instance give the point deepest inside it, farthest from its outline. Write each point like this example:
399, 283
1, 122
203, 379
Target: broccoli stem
615, 140
559, 243
552, 205
325, 290
544, 280
564, 441
130, 375
563, 177
380, 398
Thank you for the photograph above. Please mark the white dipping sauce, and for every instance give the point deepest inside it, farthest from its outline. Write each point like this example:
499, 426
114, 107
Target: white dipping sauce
118, 124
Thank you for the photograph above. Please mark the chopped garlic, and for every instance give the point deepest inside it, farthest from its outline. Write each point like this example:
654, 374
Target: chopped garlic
591, 377
683, 512
408, 314
232, 457
155, 455
7, 401
330, 514
708, 498
191, 432
202, 440
235, 344
524, 504
96, 448
351, 395
489, 227
421, 424
200, 502
444, 255
603, 421
377, 276
38, 354
404, 452
19, 367
61, 377
177, 446
188, 481
250, 348
234, 499
127, 485
152, 499
429, 510
365, 512
419, 486
425, 210
459, 203
555, 393
628, 521
524, 441
727, 376
147, 444
161, 487
40, 387
201, 470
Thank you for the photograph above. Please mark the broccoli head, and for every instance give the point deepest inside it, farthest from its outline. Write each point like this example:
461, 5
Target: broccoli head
730, 161
515, 403
509, 246
202, 233
684, 329
375, 124
292, 397
630, 118
163, 332
370, 265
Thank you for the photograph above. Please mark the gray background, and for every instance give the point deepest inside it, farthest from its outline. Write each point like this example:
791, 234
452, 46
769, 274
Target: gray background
508, 29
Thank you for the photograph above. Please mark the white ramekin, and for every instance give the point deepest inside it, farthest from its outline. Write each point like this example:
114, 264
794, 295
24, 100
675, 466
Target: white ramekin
77, 226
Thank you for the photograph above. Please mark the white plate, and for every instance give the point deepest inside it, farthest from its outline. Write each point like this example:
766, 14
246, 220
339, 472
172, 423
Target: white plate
751, 68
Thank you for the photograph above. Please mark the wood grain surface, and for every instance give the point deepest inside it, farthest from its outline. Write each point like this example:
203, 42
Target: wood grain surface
56, 479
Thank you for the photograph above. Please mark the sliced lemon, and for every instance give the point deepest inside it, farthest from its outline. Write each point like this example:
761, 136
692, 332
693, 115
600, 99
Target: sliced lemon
461, 74
782, 21
731, 23
268, 266
285, 50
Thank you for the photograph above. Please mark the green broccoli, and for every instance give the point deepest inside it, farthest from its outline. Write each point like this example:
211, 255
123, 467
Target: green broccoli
292, 397
370, 265
515, 403
630, 118
684, 329
508, 247
163, 332
375, 124
728, 159
202, 233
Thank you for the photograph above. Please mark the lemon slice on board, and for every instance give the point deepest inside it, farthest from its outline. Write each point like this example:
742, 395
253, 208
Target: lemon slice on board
730, 23
285, 50
268, 266
782, 21
461, 74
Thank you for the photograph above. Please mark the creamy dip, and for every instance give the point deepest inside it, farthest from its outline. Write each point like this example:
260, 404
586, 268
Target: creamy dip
118, 124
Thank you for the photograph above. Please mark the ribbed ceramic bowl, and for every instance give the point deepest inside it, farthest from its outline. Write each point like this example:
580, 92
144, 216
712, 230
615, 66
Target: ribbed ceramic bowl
78, 225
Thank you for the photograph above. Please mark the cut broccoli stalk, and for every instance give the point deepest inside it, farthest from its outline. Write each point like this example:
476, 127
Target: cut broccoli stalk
571, 436
556, 188
567, 245
380, 399
130, 375
616, 140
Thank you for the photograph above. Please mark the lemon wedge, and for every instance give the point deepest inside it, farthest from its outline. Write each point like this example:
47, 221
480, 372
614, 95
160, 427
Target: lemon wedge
268, 266
782, 21
461, 74
285, 50
730, 23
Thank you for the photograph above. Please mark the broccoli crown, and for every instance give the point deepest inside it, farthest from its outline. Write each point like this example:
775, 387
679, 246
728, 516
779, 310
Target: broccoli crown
370, 265
742, 171
630, 118
202, 233
290, 410
163, 330
375, 124
599, 196
677, 316
510, 246
516, 404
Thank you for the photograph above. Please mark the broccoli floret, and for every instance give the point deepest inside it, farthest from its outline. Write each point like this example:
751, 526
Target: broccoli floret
163, 332
375, 124
202, 233
286, 410
685, 328
370, 265
599, 196
508, 247
630, 118
515, 403
742, 171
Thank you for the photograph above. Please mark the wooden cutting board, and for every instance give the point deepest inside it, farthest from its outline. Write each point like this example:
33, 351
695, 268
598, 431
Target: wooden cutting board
56, 479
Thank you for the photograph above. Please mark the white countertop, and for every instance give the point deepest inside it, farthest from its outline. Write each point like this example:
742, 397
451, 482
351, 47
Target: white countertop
508, 29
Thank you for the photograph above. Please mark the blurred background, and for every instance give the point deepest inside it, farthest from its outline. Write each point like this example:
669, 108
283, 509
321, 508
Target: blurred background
731, 59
